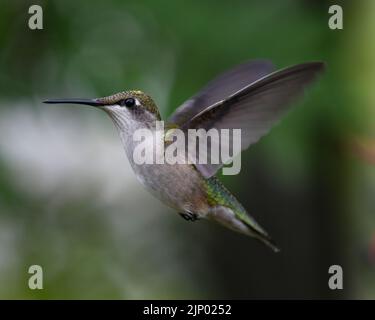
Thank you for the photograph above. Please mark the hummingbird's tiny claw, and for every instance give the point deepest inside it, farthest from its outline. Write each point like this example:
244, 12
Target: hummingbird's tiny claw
188, 216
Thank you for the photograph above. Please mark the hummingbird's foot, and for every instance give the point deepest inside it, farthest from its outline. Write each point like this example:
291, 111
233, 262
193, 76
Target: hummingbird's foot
188, 216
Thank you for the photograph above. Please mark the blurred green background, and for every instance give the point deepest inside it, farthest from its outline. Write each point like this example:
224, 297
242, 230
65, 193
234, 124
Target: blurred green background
70, 202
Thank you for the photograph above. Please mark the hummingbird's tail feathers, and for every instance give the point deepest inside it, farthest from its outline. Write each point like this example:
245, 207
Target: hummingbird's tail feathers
242, 223
256, 230
267, 240
228, 211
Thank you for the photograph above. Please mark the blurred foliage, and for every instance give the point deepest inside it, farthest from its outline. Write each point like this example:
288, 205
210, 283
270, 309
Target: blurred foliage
108, 238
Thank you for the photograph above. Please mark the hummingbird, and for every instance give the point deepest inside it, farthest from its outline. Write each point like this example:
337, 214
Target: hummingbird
251, 97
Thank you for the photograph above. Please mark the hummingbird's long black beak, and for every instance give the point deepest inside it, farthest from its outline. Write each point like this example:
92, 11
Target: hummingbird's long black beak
88, 102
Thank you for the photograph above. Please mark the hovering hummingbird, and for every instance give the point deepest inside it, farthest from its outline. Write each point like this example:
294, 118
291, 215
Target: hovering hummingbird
251, 97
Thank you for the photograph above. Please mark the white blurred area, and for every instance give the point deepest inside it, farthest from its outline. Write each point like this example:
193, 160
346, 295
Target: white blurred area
50, 149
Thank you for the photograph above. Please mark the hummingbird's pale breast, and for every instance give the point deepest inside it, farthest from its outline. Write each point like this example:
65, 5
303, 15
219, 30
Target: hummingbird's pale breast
180, 186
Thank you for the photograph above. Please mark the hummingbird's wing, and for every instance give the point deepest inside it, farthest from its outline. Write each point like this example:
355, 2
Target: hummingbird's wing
253, 109
221, 87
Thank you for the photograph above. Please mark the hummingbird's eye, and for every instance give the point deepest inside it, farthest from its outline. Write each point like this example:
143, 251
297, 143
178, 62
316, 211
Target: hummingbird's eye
129, 102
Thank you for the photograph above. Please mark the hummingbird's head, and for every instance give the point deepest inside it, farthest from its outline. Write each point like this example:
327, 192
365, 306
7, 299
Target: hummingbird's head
125, 108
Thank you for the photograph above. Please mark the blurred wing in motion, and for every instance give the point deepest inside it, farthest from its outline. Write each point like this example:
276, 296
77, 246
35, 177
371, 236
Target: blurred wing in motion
254, 109
221, 87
